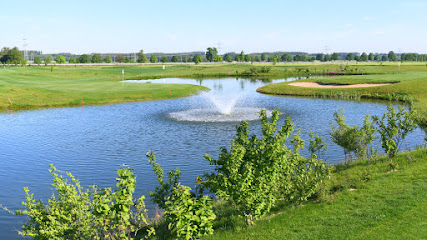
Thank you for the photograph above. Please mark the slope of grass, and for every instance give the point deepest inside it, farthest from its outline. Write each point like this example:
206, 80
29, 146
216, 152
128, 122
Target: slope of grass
360, 201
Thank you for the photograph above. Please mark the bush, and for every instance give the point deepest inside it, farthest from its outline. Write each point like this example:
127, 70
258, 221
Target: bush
75, 213
257, 172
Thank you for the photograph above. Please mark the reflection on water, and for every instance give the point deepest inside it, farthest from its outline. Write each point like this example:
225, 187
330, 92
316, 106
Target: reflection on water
92, 142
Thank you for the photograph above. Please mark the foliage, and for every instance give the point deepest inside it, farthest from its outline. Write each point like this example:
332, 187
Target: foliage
248, 58
37, 60
153, 59
119, 58
107, 59
394, 127
162, 192
141, 57
197, 59
189, 217
228, 58
60, 59
47, 60
317, 145
84, 58
256, 172
11, 56
96, 58
352, 139
164, 59
211, 54
75, 213
175, 59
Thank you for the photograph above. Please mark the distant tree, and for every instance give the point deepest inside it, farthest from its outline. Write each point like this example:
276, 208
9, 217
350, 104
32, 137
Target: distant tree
364, 57
289, 58
319, 57
11, 56
120, 58
211, 54
263, 57
237, 58
284, 57
228, 58
127, 60
175, 59
327, 58
377, 57
72, 60
218, 58
47, 60
84, 58
334, 57
371, 57
60, 59
242, 56
107, 59
384, 58
391, 56
96, 58
37, 60
349, 57
248, 58
164, 59
153, 59
257, 58
197, 59
185, 59
141, 57
357, 58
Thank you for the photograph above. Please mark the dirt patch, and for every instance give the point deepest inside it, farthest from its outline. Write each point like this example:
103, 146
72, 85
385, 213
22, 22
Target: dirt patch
317, 85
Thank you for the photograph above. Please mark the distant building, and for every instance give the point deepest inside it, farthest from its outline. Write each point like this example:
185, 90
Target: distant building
30, 54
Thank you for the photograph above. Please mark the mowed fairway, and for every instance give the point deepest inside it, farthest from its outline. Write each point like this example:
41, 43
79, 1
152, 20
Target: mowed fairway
37, 87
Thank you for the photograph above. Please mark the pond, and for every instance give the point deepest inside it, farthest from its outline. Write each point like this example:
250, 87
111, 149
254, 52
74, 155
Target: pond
93, 141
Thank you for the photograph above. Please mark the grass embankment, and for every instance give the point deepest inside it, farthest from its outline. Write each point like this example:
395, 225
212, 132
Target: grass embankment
360, 201
410, 81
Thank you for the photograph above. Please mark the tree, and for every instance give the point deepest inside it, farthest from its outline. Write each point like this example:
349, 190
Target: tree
37, 60
84, 58
327, 58
319, 57
242, 56
11, 56
96, 58
153, 59
164, 59
197, 59
107, 59
349, 57
228, 58
218, 58
257, 58
263, 57
384, 58
371, 57
211, 53
357, 58
237, 58
285, 57
120, 58
364, 57
72, 60
377, 57
127, 60
248, 58
175, 59
60, 59
391, 56
334, 56
47, 60
141, 57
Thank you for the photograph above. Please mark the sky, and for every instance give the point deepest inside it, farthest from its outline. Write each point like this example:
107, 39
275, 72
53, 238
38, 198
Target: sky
173, 26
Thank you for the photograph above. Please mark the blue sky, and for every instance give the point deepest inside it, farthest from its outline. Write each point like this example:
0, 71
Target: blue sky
177, 26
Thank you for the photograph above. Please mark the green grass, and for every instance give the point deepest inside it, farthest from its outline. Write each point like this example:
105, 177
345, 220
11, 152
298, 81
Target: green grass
360, 201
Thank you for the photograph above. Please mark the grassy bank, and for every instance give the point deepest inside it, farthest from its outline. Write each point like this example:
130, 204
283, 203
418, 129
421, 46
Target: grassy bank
410, 82
360, 201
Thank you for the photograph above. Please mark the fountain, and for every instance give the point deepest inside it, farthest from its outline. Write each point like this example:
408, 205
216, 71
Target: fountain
219, 107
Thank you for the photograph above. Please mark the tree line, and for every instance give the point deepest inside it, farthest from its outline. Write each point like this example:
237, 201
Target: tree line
15, 56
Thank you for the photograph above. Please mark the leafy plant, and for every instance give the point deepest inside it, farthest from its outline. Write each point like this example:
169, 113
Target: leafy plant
189, 217
162, 192
352, 139
256, 172
393, 128
75, 213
